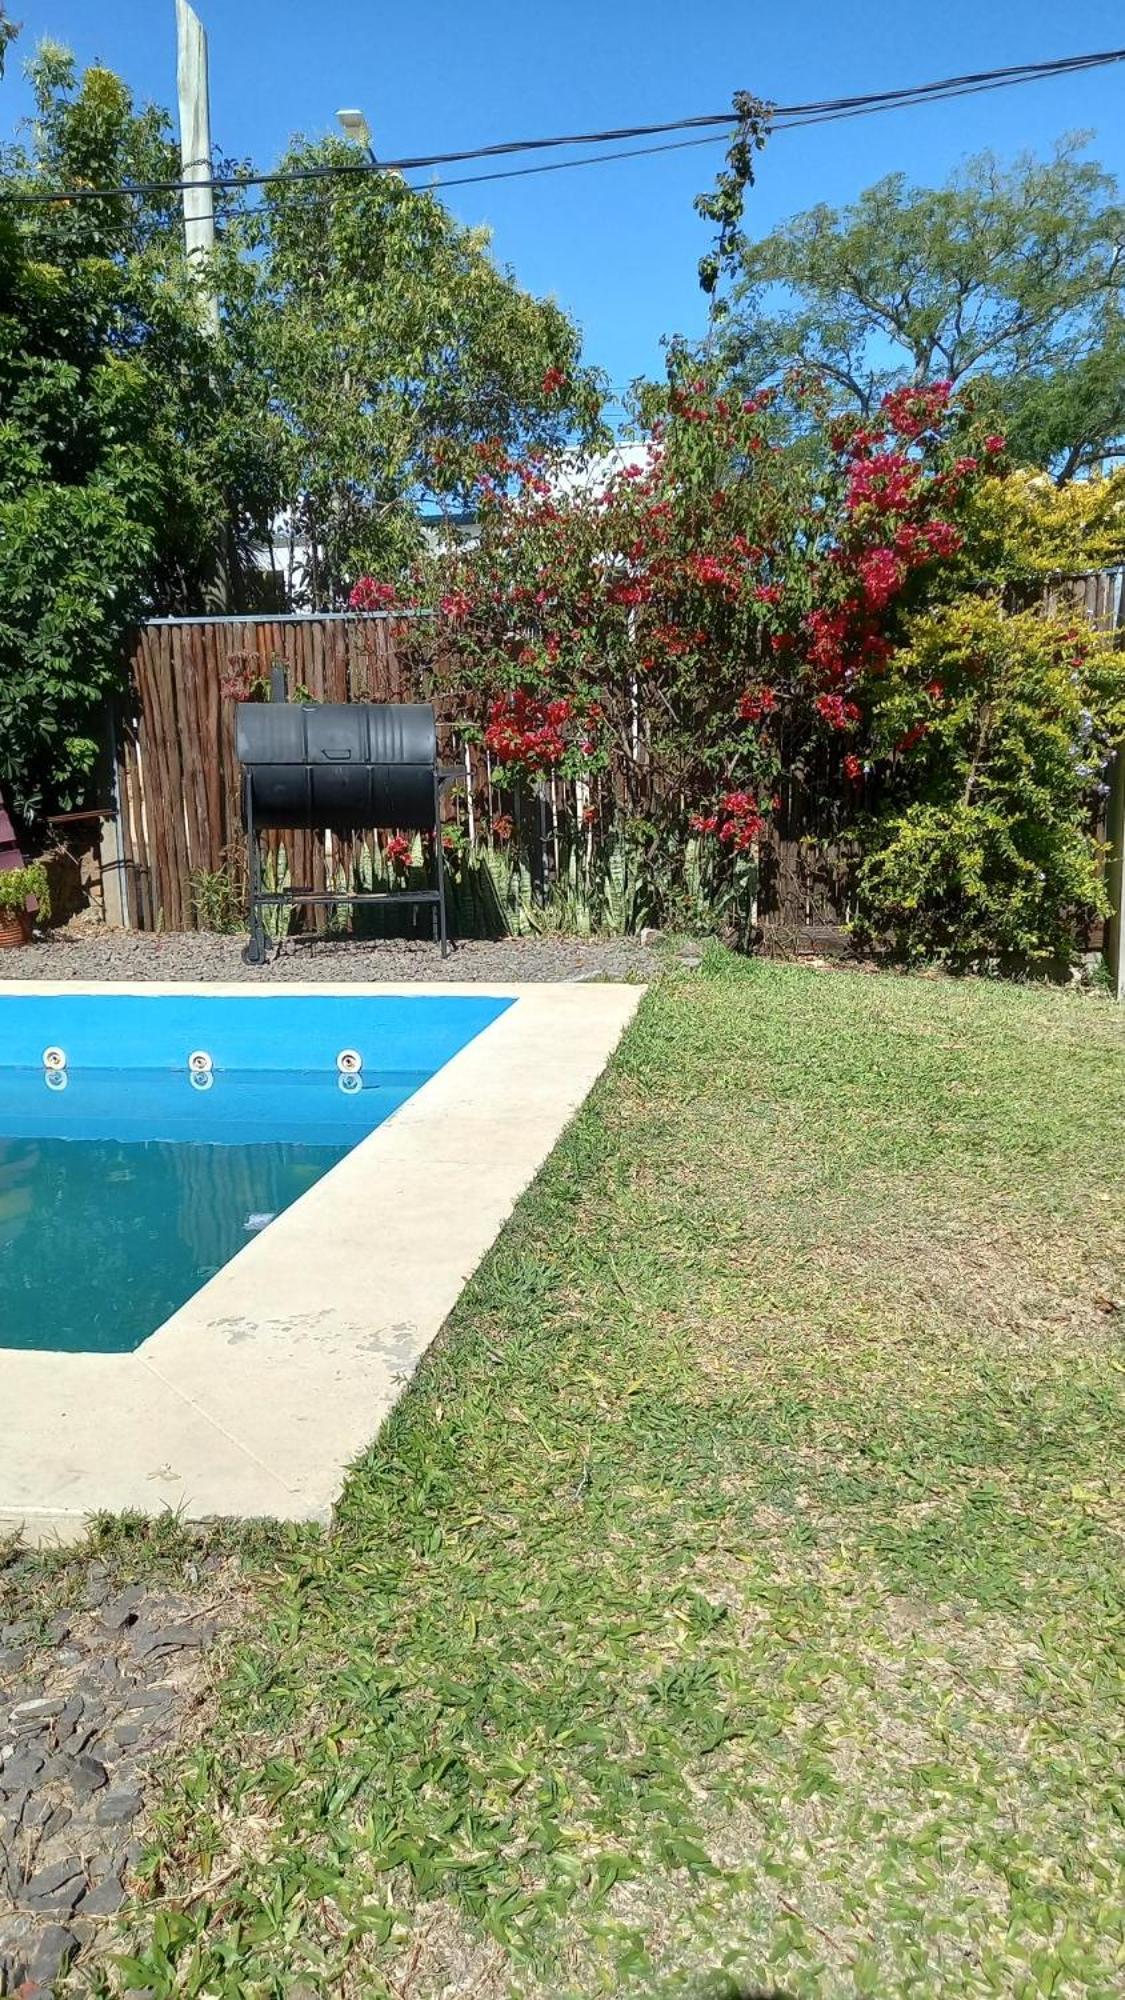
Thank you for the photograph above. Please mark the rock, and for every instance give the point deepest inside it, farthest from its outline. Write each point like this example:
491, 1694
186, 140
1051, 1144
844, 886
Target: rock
78, 1740
56, 1822
106, 1899
118, 1807
87, 1777
15, 1947
127, 1734
59, 1628
21, 1771
15, 1808
59, 1887
28, 1735
58, 1770
154, 1700
122, 1611
147, 1640
41, 1709
106, 1678
51, 1819
97, 1586
650, 935
54, 1950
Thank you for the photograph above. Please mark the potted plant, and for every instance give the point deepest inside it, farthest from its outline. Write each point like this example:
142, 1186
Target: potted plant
18, 887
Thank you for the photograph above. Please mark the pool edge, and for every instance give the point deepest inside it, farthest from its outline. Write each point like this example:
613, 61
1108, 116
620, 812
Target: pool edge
253, 1399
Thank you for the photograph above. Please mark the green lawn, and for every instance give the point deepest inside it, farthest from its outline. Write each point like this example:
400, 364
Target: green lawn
734, 1605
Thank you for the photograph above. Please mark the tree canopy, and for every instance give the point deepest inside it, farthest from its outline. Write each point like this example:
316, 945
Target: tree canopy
392, 351
1010, 277
113, 451
369, 350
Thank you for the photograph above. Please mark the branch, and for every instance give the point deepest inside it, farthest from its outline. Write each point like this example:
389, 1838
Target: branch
846, 381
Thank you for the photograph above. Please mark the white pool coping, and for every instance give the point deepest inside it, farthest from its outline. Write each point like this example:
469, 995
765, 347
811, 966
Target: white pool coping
256, 1396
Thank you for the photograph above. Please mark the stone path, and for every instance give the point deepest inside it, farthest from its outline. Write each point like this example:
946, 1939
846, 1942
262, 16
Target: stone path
85, 1707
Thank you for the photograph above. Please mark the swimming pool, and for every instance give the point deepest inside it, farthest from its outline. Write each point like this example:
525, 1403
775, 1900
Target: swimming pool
145, 1139
256, 1394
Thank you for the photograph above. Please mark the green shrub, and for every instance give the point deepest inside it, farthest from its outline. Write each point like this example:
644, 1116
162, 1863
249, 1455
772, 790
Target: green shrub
985, 845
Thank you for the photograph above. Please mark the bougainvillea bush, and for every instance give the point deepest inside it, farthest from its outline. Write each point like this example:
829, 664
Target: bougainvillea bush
678, 644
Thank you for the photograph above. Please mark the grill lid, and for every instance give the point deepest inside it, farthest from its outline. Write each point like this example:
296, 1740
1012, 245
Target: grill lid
344, 765
403, 733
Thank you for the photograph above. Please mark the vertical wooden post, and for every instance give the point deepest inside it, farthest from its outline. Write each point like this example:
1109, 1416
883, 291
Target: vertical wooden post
195, 151
1115, 877
1115, 826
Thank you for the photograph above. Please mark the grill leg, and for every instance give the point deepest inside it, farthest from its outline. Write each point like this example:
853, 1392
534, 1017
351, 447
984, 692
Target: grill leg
439, 863
255, 951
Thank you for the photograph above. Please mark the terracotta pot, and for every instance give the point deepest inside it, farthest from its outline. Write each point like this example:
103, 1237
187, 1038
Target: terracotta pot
15, 929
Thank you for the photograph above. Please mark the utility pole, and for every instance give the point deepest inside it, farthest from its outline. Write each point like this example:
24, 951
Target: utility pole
199, 226
195, 152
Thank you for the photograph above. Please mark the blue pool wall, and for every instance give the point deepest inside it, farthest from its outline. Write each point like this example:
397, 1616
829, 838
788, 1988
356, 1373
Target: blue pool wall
255, 1031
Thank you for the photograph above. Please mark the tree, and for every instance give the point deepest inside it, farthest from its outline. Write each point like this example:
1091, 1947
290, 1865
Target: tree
113, 442
368, 348
1010, 278
392, 351
683, 652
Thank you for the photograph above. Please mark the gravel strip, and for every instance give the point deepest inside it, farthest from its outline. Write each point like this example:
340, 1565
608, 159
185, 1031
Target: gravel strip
86, 1709
198, 955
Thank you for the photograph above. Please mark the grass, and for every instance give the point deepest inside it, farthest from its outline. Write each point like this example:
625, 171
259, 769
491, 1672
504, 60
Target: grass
734, 1604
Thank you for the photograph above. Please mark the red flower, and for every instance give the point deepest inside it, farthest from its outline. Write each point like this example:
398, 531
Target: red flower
912, 410
913, 735
636, 592
367, 595
708, 569
994, 444
554, 379
503, 826
768, 593
887, 482
398, 851
523, 729
738, 821
942, 538
757, 702
881, 577
837, 712
853, 768
455, 605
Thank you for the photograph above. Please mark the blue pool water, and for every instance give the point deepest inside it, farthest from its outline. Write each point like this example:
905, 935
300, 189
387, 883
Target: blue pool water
127, 1185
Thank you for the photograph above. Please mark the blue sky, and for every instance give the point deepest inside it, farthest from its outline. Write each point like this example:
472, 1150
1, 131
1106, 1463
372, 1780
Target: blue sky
617, 245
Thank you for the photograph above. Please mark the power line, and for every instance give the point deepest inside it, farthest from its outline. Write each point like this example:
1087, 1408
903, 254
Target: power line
585, 160
782, 117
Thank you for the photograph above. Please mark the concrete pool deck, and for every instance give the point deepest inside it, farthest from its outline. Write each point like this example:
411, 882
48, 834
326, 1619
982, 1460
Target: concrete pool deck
254, 1398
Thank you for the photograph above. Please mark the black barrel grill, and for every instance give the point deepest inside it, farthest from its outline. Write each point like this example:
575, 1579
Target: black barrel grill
339, 768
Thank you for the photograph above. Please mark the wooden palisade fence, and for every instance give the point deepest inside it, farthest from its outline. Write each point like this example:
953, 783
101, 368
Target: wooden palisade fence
178, 788
177, 779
